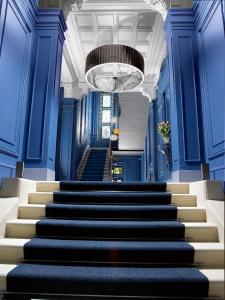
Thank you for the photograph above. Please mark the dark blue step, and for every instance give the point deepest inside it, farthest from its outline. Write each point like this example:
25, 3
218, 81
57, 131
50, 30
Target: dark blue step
90, 179
115, 197
148, 212
146, 230
103, 281
92, 176
113, 186
109, 251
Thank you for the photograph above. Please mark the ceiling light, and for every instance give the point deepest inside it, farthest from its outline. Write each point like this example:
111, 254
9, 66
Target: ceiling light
114, 68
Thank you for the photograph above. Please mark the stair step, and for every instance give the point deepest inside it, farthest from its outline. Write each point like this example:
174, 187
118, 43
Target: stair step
194, 232
215, 277
207, 255
185, 214
51, 186
177, 199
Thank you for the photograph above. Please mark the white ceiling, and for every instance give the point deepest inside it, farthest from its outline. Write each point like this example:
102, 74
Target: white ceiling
101, 22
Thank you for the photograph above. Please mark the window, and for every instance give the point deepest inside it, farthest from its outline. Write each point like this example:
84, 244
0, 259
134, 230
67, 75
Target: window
105, 114
106, 101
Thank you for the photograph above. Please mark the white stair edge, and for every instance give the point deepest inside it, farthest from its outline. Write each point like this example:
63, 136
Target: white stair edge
186, 214
177, 199
4, 271
194, 231
210, 255
215, 277
216, 282
182, 188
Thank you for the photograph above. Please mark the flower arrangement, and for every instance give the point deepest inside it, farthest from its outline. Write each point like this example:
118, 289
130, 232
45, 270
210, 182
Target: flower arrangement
164, 131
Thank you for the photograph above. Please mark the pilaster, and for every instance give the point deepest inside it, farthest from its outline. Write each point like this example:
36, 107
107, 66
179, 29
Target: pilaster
184, 86
45, 85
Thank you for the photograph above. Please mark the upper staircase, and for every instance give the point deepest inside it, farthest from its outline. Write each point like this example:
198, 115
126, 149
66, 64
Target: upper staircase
95, 165
104, 240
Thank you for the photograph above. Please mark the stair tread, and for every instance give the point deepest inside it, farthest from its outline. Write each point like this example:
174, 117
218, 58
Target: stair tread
182, 208
197, 246
119, 275
186, 224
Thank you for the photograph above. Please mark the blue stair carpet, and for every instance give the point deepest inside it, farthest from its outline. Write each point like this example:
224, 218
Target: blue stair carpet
109, 239
112, 252
137, 198
127, 281
94, 169
148, 212
112, 186
113, 229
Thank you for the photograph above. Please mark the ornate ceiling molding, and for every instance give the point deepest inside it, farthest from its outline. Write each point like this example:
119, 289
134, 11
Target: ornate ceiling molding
66, 6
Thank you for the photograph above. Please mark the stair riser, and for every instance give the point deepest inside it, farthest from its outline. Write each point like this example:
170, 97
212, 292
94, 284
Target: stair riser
178, 200
54, 186
192, 234
205, 258
187, 215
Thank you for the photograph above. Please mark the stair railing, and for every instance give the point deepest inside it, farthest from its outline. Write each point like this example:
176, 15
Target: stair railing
83, 163
108, 164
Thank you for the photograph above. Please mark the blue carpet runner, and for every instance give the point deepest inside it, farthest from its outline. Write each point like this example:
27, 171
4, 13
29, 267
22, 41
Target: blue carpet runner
94, 169
109, 239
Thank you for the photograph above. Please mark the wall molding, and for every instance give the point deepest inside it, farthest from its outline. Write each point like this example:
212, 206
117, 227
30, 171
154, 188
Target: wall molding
13, 148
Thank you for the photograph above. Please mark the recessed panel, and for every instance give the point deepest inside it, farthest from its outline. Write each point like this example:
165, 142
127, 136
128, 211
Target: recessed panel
125, 36
105, 21
86, 36
146, 21
125, 21
105, 37
142, 36
84, 21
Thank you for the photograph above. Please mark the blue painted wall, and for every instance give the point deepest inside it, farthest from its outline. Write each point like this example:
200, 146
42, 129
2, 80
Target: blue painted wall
210, 28
132, 165
40, 149
30, 60
74, 134
17, 33
191, 96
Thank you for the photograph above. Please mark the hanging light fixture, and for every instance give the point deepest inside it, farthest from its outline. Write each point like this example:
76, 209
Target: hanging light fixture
114, 68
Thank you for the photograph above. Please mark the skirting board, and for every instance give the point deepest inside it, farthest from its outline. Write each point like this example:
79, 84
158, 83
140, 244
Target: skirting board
186, 176
39, 174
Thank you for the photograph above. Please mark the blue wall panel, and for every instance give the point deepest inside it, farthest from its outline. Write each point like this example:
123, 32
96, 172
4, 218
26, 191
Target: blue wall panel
73, 135
189, 99
67, 111
211, 39
17, 21
38, 106
44, 92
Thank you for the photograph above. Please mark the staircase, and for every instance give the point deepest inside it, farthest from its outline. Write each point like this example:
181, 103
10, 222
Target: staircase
94, 169
104, 240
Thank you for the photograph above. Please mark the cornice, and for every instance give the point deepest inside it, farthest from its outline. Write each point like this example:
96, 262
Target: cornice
51, 18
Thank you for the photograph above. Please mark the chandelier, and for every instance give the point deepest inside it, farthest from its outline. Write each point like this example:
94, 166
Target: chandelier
114, 68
